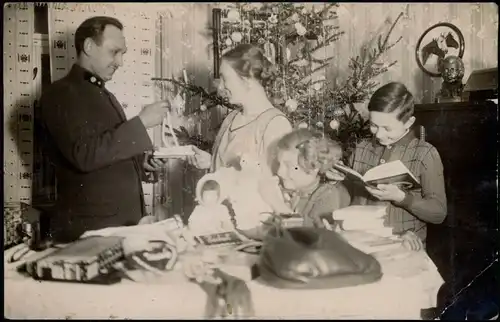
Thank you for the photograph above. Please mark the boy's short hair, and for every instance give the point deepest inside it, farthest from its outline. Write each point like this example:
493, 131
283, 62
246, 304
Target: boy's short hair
392, 97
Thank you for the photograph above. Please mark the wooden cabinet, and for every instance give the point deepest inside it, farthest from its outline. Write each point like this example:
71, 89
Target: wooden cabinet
465, 134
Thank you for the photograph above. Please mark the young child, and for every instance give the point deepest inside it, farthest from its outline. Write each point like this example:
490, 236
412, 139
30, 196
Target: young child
303, 158
394, 138
210, 216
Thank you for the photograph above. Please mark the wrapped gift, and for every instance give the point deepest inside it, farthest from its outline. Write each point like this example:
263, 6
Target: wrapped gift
12, 219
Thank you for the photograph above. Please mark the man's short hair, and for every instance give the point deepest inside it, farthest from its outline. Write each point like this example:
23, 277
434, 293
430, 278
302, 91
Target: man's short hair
93, 28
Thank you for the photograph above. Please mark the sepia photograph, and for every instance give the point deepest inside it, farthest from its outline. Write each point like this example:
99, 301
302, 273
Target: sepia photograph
251, 160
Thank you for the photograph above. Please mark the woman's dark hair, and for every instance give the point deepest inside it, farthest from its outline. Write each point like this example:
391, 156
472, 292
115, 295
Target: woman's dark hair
93, 28
392, 97
249, 61
315, 150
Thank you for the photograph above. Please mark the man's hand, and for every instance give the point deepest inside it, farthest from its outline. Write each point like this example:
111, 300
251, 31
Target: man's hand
201, 159
387, 192
153, 114
152, 164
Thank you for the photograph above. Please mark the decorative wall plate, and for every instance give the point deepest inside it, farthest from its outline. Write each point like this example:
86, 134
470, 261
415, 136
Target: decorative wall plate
437, 42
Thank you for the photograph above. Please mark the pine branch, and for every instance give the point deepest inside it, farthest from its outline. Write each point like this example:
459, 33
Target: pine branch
326, 9
212, 98
328, 40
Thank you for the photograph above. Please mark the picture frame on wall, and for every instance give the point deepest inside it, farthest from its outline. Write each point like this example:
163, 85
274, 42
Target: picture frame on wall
436, 43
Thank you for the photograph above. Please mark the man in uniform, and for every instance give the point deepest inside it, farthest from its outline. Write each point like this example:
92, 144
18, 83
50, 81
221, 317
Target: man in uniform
101, 158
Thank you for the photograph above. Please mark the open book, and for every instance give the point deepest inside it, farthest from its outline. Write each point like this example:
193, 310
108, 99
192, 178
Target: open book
394, 172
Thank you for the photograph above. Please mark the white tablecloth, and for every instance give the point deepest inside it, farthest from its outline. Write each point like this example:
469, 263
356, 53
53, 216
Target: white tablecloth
400, 294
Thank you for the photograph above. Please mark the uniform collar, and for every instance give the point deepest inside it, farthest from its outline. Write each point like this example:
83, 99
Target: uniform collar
404, 141
80, 73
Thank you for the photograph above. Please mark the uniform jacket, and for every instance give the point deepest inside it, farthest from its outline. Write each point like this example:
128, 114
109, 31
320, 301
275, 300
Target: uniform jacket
97, 153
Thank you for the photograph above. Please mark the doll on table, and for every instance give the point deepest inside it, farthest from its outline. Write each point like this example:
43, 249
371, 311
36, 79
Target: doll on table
210, 216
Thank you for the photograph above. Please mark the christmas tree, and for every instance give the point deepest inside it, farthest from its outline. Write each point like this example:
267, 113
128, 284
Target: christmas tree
301, 90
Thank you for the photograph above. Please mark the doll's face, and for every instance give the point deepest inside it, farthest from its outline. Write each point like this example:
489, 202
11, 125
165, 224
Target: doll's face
210, 197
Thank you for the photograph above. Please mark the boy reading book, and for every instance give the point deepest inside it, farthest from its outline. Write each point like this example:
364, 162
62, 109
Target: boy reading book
394, 172
391, 119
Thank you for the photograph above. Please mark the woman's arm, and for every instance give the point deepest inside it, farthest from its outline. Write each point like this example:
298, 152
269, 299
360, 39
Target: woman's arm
430, 205
275, 130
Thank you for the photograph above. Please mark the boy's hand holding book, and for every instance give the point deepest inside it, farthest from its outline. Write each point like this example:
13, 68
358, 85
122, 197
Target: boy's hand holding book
390, 173
387, 192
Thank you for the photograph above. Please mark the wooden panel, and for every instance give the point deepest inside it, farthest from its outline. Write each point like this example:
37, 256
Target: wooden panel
477, 21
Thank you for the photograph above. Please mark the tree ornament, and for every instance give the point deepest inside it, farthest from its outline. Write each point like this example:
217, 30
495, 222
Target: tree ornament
246, 24
228, 42
291, 104
288, 53
334, 124
233, 15
303, 125
236, 36
301, 30
273, 19
317, 86
203, 107
338, 112
319, 124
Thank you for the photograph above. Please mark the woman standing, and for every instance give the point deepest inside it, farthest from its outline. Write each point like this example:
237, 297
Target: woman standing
253, 128
246, 134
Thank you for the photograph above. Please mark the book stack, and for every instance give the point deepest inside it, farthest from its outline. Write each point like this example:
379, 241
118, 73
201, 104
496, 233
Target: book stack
369, 219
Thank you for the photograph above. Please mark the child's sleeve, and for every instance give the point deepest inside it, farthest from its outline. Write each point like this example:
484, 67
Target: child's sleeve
429, 205
336, 198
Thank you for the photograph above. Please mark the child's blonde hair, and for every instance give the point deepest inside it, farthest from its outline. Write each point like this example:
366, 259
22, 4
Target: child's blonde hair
316, 152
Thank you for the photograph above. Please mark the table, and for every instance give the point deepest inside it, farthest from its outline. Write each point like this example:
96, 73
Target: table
393, 297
